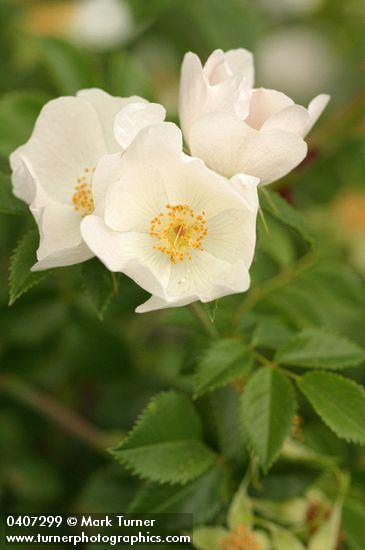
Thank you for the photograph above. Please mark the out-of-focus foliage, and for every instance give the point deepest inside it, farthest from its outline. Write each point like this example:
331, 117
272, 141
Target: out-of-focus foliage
72, 385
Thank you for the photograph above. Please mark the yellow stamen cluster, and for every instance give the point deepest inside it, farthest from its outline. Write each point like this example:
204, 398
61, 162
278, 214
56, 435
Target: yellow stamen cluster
82, 198
241, 538
178, 230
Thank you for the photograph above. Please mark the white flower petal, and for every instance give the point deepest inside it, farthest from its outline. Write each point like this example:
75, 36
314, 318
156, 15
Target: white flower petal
229, 146
263, 104
135, 116
216, 69
232, 236
294, 118
192, 91
206, 277
54, 169
107, 107
154, 303
64, 257
59, 227
60, 237
130, 253
135, 198
237, 280
138, 193
105, 173
109, 246
24, 186
154, 173
165, 136
240, 61
67, 139
213, 87
316, 108
246, 186
202, 189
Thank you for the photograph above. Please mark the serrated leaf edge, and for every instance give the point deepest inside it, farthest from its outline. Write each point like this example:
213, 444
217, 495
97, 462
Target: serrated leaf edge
251, 447
122, 460
318, 366
42, 276
347, 439
199, 393
183, 480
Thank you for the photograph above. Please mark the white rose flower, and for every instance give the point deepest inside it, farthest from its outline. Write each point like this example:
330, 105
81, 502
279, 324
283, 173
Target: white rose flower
179, 230
53, 171
223, 84
265, 141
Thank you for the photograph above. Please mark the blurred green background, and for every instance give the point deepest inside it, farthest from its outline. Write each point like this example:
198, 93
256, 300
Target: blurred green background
72, 385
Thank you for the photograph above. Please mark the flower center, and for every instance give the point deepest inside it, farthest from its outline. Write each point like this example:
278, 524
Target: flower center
178, 230
241, 538
82, 198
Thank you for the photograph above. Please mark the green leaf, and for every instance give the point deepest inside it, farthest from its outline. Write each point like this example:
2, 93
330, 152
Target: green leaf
286, 481
240, 509
268, 407
9, 204
211, 309
100, 285
224, 361
321, 440
354, 523
70, 67
21, 278
202, 497
18, 113
319, 348
225, 409
338, 401
276, 241
327, 295
165, 444
109, 488
271, 202
271, 333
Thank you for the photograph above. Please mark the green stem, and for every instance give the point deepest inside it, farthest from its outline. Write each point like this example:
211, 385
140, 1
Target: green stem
265, 362
115, 283
203, 318
263, 219
262, 359
56, 412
